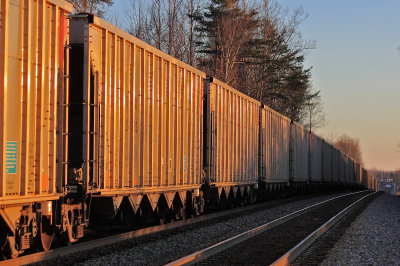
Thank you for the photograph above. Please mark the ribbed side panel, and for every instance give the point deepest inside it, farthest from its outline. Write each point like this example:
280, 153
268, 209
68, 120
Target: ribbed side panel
316, 158
275, 134
33, 35
327, 162
146, 112
234, 133
342, 167
358, 174
300, 153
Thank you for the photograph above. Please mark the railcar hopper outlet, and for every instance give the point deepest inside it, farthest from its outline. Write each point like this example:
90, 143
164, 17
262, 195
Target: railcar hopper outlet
95, 122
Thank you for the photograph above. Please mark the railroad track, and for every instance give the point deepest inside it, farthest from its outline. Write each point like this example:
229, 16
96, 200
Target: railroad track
281, 241
109, 240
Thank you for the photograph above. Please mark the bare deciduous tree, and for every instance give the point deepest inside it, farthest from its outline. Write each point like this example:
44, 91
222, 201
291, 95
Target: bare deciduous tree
136, 19
166, 24
256, 48
226, 31
91, 6
313, 114
276, 75
192, 11
350, 146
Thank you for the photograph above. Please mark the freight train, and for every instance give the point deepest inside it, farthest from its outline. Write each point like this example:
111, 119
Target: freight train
95, 122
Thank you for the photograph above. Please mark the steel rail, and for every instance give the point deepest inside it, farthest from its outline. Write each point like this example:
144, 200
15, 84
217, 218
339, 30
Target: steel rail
232, 241
295, 252
67, 250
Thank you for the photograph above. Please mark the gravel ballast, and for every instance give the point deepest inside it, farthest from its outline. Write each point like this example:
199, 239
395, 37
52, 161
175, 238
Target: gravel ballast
373, 238
162, 248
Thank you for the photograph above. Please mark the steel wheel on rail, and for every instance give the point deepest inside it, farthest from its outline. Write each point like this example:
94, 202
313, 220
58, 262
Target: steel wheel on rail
6, 249
3, 244
45, 235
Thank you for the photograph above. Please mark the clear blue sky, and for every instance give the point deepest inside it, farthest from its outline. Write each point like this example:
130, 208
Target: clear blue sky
356, 66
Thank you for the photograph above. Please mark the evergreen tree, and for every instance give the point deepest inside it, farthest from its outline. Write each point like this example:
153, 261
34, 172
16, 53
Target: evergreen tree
278, 78
256, 53
225, 31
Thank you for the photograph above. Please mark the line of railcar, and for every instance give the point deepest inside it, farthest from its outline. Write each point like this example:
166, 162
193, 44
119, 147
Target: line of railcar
95, 122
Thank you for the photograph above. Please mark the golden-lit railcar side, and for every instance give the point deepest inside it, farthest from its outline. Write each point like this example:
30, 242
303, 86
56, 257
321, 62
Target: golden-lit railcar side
346, 168
335, 165
372, 183
364, 178
33, 37
138, 119
358, 174
342, 167
299, 150
274, 147
231, 138
316, 161
351, 171
327, 150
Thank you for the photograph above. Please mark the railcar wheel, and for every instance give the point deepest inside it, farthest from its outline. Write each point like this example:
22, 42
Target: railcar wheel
8, 255
9, 249
45, 235
182, 213
161, 220
162, 216
3, 245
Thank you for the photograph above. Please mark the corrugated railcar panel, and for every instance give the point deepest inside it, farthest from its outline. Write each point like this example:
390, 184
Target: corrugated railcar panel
348, 173
364, 178
275, 134
32, 97
342, 167
300, 153
316, 158
150, 111
232, 134
351, 174
335, 165
327, 162
358, 174
370, 181
346, 169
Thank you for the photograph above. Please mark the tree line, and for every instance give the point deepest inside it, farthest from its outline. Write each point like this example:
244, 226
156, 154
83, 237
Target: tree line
254, 46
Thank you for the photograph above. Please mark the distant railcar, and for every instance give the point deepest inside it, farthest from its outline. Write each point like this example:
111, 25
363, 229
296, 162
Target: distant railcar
94, 122
349, 170
335, 165
274, 149
364, 178
299, 154
327, 150
316, 158
358, 173
352, 169
137, 122
231, 140
342, 167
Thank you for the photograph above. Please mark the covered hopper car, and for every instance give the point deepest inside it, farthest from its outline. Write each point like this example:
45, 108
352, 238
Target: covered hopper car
138, 144
96, 123
33, 129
